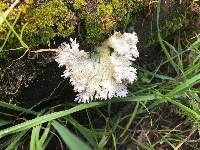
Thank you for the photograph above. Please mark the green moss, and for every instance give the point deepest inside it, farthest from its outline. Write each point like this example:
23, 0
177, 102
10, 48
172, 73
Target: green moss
49, 19
94, 32
41, 36
104, 10
3, 27
46, 20
173, 24
78, 4
3, 6
103, 17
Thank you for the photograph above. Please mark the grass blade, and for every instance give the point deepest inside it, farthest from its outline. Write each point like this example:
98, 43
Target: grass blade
17, 108
162, 43
35, 142
188, 83
15, 140
189, 111
4, 122
72, 141
131, 119
9, 33
45, 135
88, 134
49, 117
6, 13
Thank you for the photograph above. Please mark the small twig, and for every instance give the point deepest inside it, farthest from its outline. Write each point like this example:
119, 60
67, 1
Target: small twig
44, 50
60, 141
23, 54
14, 49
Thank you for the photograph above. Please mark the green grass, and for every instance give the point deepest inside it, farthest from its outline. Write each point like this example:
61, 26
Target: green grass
162, 111
6, 13
3, 20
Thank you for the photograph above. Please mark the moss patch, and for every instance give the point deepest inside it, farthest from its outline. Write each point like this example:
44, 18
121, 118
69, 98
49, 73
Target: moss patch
43, 20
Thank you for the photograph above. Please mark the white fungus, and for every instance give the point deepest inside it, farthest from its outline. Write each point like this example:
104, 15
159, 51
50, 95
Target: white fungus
104, 75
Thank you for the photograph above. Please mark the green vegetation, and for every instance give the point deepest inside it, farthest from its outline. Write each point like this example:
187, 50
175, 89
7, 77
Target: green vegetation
40, 22
161, 111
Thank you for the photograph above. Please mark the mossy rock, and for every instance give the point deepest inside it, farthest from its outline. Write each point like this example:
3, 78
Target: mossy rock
41, 21
90, 21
